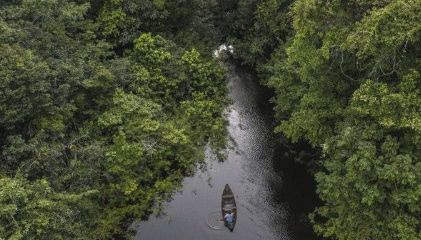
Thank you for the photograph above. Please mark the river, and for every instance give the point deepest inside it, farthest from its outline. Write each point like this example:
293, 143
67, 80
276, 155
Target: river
274, 193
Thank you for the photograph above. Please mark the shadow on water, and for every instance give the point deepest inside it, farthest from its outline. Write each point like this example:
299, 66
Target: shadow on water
297, 191
293, 163
274, 192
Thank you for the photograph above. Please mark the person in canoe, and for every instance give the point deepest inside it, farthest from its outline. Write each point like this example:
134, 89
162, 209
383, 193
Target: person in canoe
228, 208
229, 217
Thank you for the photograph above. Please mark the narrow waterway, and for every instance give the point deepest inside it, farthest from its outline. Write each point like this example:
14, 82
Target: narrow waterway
274, 193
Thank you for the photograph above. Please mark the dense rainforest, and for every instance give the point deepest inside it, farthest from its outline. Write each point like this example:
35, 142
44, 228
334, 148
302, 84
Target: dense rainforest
105, 105
347, 79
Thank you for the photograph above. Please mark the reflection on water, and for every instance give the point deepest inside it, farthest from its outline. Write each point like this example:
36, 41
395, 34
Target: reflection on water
273, 193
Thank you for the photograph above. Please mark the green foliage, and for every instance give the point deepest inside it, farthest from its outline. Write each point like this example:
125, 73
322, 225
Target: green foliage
153, 141
24, 87
32, 210
190, 23
371, 186
258, 28
100, 117
392, 107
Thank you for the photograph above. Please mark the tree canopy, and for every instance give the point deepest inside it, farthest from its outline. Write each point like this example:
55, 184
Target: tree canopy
104, 107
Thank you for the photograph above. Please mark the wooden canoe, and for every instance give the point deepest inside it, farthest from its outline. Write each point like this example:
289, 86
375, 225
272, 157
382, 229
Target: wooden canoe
228, 204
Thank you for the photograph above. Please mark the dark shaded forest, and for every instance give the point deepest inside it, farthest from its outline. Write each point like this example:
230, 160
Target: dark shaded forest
105, 105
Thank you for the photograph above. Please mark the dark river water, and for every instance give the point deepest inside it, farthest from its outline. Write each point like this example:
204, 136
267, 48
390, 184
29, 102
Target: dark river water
274, 193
